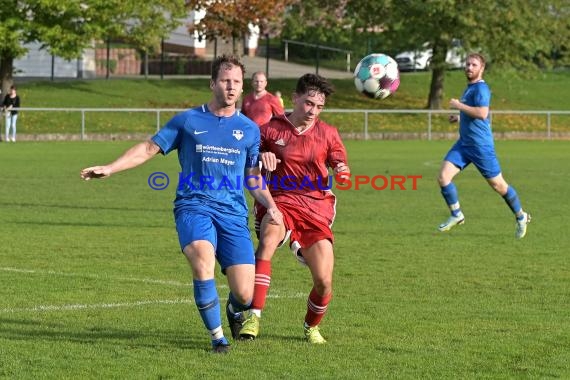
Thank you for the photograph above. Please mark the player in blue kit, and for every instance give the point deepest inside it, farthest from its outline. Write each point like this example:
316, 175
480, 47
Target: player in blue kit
218, 151
476, 145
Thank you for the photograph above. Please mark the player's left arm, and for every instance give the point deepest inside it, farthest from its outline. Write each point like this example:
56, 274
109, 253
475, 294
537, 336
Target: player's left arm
259, 191
337, 158
276, 106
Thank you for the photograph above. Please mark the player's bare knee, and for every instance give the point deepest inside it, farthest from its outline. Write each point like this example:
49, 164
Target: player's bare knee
323, 286
322, 289
243, 298
265, 251
441, 180
500, 187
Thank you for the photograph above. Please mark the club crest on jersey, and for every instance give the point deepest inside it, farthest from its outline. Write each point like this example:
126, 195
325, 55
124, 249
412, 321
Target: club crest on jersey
238, 134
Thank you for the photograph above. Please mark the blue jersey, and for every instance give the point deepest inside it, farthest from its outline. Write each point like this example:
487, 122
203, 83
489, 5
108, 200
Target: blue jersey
475, 131
213, 152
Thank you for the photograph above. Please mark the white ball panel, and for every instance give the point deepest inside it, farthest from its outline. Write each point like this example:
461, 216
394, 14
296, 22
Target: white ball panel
371, 85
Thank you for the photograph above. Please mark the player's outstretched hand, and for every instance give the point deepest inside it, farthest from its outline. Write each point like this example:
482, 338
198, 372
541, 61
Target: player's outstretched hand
341, 172
276, 216
269, 161
95, 172
341, 167
454, 103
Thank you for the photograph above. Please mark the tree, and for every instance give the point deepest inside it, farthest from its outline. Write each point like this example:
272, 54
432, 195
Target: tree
318, 22
66, 28
512, 33
230, 19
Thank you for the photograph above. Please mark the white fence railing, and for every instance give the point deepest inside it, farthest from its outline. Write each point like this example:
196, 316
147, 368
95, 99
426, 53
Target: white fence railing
429, 114
365, 112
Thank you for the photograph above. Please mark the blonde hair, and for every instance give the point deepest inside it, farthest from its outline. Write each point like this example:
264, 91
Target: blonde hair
478, 57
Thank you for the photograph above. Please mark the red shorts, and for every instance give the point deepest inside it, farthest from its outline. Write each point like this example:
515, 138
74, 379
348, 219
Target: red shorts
308, 219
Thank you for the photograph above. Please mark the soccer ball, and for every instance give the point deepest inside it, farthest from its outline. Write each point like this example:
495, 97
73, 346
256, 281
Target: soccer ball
377, 76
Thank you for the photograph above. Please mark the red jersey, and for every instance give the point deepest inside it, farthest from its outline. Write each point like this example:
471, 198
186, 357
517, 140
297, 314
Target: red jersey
261, 110
305, 157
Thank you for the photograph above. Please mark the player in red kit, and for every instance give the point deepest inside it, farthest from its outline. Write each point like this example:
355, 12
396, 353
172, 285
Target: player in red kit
261, 105
297, 150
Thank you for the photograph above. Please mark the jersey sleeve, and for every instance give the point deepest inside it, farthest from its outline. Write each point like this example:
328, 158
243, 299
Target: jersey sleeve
482, 97
276, 107
337, 151
253, 152
244, 106
263, 144
169, 136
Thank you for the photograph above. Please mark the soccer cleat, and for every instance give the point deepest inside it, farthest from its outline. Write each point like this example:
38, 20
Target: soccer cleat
451, 222
220, 346
520, 230
313, 335
235, 320
250, 326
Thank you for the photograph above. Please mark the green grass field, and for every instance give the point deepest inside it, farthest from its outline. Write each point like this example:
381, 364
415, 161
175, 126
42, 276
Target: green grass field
546, 91
92, 284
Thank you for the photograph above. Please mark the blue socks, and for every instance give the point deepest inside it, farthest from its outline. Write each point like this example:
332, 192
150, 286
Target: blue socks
449, 193
235, 306
512, 200
208, 303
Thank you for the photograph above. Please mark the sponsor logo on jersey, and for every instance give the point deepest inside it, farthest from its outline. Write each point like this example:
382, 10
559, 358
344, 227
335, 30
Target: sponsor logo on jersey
238, 134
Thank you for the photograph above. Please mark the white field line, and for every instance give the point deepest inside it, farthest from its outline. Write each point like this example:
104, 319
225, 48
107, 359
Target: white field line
73, 307
432, 163
117, 305
98, 277
43, 308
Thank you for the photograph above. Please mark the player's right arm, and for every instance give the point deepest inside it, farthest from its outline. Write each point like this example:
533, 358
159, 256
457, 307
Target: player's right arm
480, 112
135, 156
269, 161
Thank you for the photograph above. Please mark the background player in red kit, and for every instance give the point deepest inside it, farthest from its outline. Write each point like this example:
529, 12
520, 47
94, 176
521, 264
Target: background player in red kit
260, 105
298, 149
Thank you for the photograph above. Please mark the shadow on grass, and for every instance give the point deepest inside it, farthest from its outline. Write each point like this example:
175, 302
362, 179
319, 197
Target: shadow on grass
78, 207
34, 330
127, 224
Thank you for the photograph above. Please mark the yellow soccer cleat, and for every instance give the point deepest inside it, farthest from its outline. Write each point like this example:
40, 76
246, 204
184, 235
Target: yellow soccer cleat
313, 335
250, 326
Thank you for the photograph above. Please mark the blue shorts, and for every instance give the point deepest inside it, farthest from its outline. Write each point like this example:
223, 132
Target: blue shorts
229, 235
483, 157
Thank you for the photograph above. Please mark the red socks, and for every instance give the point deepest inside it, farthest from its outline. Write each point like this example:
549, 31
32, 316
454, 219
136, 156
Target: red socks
316, 308
262, 281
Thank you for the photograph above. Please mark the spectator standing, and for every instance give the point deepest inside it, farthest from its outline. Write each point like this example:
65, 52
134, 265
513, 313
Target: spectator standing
260, 105
10, 107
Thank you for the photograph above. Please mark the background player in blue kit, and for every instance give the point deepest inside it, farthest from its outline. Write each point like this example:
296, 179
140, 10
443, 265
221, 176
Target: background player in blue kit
218, 151
476, 145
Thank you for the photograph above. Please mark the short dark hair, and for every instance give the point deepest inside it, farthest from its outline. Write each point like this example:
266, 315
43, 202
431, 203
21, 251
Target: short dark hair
477, 56
226, 61
314, 82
